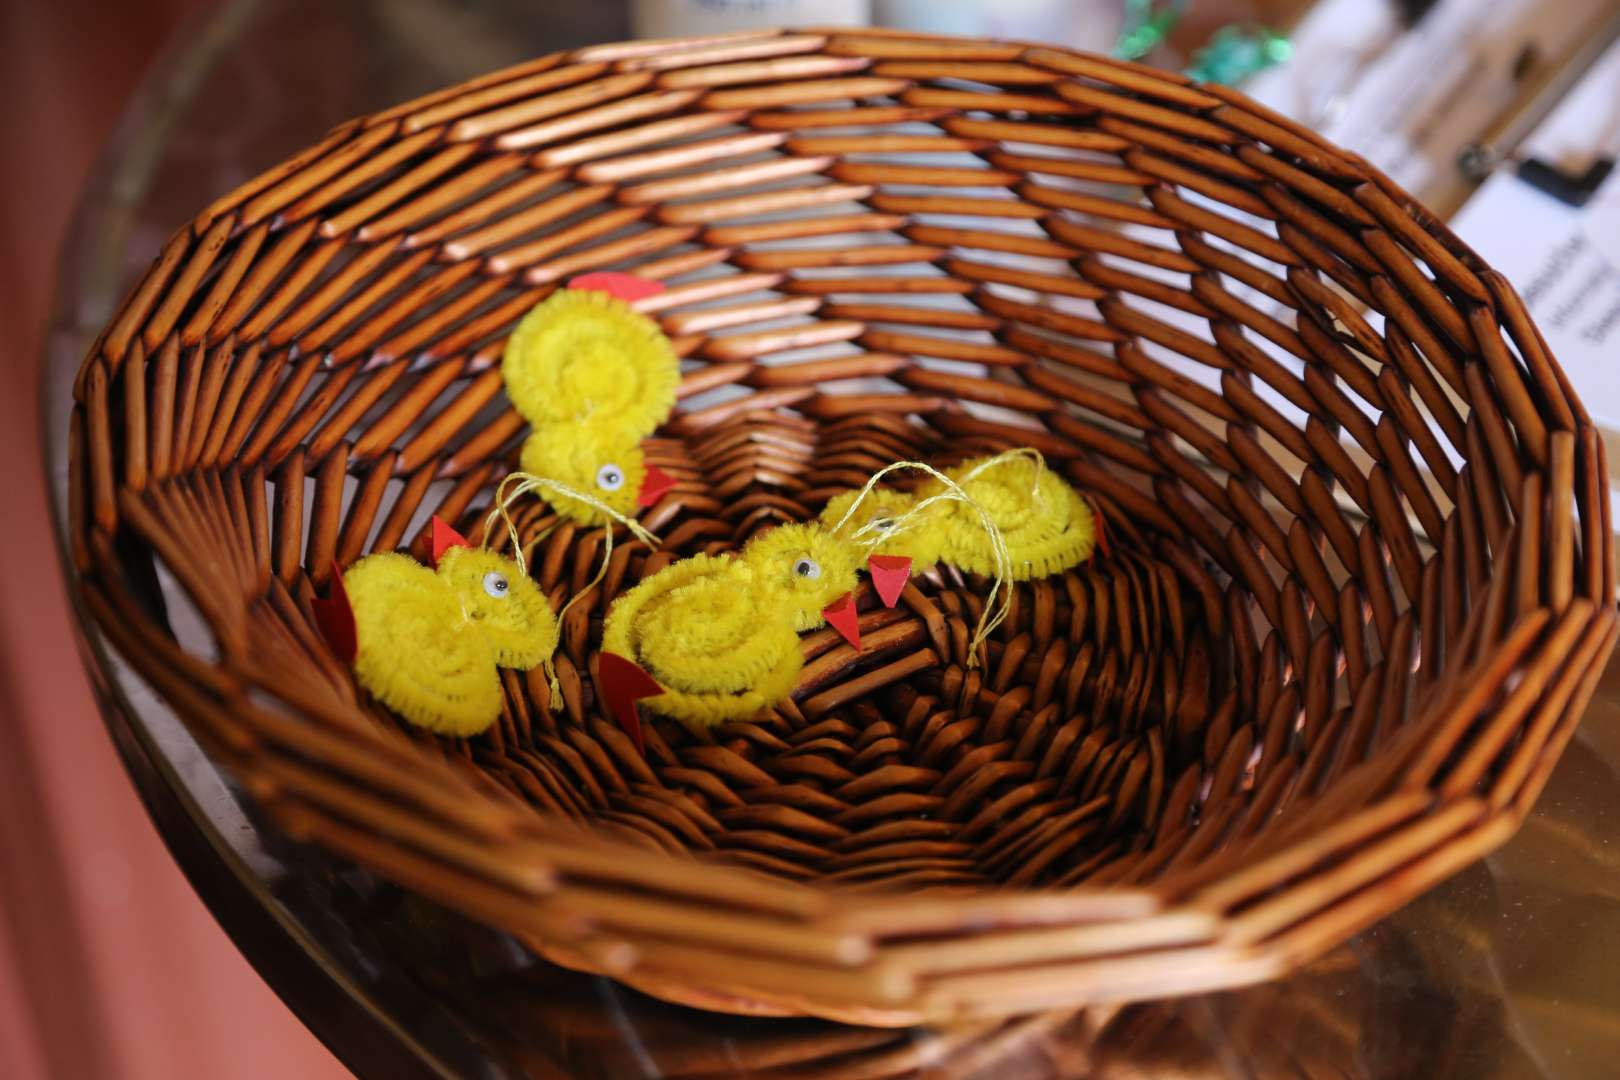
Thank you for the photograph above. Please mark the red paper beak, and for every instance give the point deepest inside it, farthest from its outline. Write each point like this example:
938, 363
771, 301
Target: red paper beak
889, 576
335, 617
623, 683
654, 487
842, 616
627, 287
445, 538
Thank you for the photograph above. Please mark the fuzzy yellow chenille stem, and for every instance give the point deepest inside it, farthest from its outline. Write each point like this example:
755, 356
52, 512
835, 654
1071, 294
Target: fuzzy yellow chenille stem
415, 654
579, 457
1046, 526
877, 532
526, 483
696, 628
582, 356
593, 377
428, 642
720, 634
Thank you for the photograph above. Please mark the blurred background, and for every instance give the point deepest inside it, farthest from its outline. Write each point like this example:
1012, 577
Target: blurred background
109, 963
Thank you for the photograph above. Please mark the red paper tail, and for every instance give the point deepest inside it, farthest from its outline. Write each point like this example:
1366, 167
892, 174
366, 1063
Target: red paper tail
1100, 524
623, 683
335, 618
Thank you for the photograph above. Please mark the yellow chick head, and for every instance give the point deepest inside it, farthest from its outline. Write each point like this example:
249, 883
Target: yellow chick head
590, 460
802, 569
504, 603
883, 508
600, 462
583, 356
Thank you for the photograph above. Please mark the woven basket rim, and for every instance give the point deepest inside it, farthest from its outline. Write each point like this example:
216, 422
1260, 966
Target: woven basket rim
735, 939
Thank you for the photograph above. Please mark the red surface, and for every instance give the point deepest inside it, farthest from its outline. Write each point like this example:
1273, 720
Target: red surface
109, 964
889, 576
335, 616
445, 538
623, 684
654, 487
842, 617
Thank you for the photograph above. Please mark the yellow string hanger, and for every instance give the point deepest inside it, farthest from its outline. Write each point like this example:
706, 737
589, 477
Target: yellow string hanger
1007, 455
891, 528
999, 603
529, 482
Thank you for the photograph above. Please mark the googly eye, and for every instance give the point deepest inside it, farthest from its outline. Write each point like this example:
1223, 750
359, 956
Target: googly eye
610, 478
807, 568
496, 585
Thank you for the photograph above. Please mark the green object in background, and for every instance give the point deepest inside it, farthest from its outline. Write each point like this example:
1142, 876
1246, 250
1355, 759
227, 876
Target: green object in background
1232, 56
1146, 28
1236, 54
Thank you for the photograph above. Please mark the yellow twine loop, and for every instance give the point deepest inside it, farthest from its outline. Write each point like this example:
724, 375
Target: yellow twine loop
1007, 455
554, 685
529, 482
994, 613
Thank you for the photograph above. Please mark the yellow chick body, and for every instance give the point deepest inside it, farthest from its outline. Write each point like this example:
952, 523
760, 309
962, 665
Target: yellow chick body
499, 598
720, 634
414, 653
428, 642
593, 377
1045, 525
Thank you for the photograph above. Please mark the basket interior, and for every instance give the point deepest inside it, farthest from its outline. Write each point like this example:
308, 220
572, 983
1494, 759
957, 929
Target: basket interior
896, 769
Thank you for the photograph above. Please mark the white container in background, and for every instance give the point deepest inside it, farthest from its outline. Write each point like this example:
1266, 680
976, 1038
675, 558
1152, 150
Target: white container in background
932, 16
1081, 24
690, 18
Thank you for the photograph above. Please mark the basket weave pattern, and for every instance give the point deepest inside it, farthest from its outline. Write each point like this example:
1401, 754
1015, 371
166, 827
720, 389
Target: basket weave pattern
1361, 578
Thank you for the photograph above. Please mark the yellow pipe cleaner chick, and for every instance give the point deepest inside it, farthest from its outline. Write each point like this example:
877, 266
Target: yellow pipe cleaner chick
593, 377
426, 643
878, 509
715, 638
1046, 525
720, 634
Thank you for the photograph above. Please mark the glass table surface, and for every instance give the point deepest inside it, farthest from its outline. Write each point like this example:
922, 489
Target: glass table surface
1506, 970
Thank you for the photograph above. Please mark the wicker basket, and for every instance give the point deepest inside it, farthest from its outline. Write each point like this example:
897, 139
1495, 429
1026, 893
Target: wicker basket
1359, 594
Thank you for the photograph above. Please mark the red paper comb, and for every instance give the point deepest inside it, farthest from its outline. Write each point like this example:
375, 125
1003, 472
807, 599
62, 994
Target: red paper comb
445, 538
623, 683
335, 617
842, 617
627, 287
